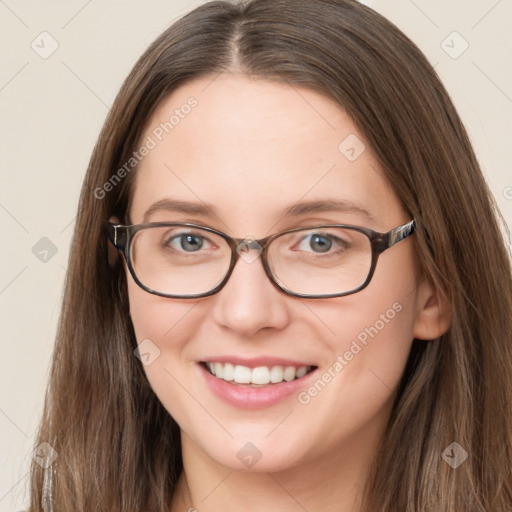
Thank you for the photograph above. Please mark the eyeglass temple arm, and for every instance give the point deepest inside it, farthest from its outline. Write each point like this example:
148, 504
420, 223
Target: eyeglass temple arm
116, 234
398, 234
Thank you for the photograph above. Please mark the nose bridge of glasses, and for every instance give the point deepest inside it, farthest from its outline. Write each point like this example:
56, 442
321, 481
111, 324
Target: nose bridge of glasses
249, 249
248, 244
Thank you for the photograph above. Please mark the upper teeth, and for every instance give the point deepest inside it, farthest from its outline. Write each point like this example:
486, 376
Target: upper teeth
259, 375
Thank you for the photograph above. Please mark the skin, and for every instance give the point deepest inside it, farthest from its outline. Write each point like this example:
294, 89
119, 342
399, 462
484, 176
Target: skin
253, 148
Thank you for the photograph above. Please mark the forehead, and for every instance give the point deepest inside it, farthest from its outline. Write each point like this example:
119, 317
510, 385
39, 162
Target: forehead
252, 147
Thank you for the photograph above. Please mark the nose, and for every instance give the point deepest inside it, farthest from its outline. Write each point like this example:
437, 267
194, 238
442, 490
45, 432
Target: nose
249, 302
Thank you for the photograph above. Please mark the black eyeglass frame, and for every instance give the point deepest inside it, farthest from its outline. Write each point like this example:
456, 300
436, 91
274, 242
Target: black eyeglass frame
121, 237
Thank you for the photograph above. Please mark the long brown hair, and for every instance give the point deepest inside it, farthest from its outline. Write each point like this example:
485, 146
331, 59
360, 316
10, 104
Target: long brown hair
118, 449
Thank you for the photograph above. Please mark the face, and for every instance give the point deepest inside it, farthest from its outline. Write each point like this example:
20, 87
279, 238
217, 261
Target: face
251, 150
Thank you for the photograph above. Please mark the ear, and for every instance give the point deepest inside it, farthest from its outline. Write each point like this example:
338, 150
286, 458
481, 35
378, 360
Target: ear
433, 312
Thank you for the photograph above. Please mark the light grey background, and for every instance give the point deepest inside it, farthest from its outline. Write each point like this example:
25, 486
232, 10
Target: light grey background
52, 110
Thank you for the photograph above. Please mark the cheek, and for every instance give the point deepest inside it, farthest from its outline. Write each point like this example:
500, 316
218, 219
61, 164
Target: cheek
371, 333
163, 329
165, 322
374, 351
152, 316
355, 389
374, 328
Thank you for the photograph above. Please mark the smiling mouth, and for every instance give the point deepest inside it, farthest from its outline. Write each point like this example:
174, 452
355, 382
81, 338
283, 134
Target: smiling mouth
258, 376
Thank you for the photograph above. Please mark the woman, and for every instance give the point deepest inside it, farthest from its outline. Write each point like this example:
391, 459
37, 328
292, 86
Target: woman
287, 288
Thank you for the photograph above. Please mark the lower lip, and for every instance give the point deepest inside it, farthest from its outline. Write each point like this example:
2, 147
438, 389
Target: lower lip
246, 397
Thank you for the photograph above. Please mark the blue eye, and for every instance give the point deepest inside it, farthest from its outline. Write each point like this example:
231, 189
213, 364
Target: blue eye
186, 242
320, 243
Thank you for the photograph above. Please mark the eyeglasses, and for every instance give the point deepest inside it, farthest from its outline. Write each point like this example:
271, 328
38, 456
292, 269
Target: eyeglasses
183, 260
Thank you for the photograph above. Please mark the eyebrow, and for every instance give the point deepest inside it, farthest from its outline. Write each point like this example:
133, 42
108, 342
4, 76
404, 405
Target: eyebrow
297, 210
329, 205
174, 205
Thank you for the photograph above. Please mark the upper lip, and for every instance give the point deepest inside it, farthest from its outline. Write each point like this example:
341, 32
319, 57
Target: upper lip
254, 362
